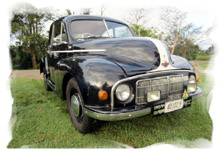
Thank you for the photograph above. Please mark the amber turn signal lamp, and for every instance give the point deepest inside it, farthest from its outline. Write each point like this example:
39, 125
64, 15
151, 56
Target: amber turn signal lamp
103, 95
197, 79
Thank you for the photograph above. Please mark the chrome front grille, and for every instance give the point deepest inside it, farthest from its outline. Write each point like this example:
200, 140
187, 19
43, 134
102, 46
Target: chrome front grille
168, 85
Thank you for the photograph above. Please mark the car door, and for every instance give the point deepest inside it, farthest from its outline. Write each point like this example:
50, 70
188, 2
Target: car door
58, 42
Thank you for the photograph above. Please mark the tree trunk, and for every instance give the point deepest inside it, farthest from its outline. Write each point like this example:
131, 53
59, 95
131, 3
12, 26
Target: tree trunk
184, 53
175, 43
33, 58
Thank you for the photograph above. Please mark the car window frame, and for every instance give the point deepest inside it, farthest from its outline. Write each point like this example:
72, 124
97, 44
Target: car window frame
114, 32
104, 20
62, 27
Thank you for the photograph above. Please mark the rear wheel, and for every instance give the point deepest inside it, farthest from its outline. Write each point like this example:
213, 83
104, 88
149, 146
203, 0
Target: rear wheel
81, 122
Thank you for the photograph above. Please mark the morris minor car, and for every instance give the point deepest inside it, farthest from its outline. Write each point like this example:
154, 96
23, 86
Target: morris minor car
106, 73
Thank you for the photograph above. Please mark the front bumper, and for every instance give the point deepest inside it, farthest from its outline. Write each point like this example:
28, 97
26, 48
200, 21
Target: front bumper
197, 94
116, 116
112, 116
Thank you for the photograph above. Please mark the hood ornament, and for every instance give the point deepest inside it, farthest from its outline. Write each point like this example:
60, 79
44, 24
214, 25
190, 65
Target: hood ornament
165, 64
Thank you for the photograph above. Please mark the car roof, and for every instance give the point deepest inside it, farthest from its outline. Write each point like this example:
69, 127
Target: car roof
88, 17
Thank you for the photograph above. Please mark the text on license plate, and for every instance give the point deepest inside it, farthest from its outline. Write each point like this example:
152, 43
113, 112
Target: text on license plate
173, 105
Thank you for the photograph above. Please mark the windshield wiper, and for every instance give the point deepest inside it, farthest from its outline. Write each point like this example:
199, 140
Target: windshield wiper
96, 36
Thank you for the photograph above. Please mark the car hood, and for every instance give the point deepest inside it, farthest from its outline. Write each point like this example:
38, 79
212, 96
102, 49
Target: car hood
133, 55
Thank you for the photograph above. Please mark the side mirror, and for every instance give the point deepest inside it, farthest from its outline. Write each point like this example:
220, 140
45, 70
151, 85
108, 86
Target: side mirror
63, 43
56, 41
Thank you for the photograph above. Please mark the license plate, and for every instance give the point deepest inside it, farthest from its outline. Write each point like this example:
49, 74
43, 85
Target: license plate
173, 105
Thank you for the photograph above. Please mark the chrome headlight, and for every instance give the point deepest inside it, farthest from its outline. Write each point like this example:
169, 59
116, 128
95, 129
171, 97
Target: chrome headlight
153, 96
192, 84
192, 79
123, 92
191, 88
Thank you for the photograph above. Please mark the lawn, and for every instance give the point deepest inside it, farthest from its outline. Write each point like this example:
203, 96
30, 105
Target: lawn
41, 120
200, 64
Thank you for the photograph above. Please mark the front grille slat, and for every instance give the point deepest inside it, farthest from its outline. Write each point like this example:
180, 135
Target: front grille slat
168, 85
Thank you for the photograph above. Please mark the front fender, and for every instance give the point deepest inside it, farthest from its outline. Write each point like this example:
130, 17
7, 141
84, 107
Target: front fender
181, 63
92, 75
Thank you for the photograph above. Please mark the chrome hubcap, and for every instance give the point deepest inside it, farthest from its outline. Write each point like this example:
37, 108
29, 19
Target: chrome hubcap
75, 104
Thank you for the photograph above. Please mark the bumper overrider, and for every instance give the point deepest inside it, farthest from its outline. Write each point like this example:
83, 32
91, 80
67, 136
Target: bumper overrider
115, 116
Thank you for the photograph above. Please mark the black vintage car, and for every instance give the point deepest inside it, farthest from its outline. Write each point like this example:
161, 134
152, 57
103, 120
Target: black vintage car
106, 73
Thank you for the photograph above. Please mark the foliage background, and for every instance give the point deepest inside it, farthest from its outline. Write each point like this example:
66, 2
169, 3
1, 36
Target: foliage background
29, 32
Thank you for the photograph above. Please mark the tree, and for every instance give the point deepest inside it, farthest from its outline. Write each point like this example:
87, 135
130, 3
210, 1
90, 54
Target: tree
188, 39
178, 30
173, 19
138, 16
27, 26
145, 32
20, 59
189, 50
210, 50
103, 8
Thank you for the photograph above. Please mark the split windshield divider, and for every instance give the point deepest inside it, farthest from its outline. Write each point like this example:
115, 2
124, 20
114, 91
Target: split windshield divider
107, 28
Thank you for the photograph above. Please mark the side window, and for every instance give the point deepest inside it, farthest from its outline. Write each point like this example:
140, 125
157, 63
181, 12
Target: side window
110, 32
121, 32
58, 34
118, 30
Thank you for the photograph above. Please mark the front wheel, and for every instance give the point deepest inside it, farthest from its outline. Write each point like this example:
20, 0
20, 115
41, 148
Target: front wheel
81, 122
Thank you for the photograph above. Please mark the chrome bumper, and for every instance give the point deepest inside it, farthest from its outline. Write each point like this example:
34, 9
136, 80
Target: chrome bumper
128, 115
197, 94
116, 116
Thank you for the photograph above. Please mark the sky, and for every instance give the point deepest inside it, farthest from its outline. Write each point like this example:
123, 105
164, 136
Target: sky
201, 12
118, 9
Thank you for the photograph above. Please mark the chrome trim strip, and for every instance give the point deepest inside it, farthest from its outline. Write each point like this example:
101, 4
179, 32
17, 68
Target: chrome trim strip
168, 88
46, 65
138, 76
51, 84
77, 51
116, 116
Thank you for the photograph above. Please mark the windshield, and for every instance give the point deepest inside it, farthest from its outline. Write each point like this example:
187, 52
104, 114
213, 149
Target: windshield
86, 29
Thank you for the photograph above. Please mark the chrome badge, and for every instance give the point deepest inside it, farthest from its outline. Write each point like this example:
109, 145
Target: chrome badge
165, 64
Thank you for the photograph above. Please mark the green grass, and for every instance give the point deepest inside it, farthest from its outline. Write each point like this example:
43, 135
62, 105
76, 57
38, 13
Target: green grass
203, 57
41, 120
202, 65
